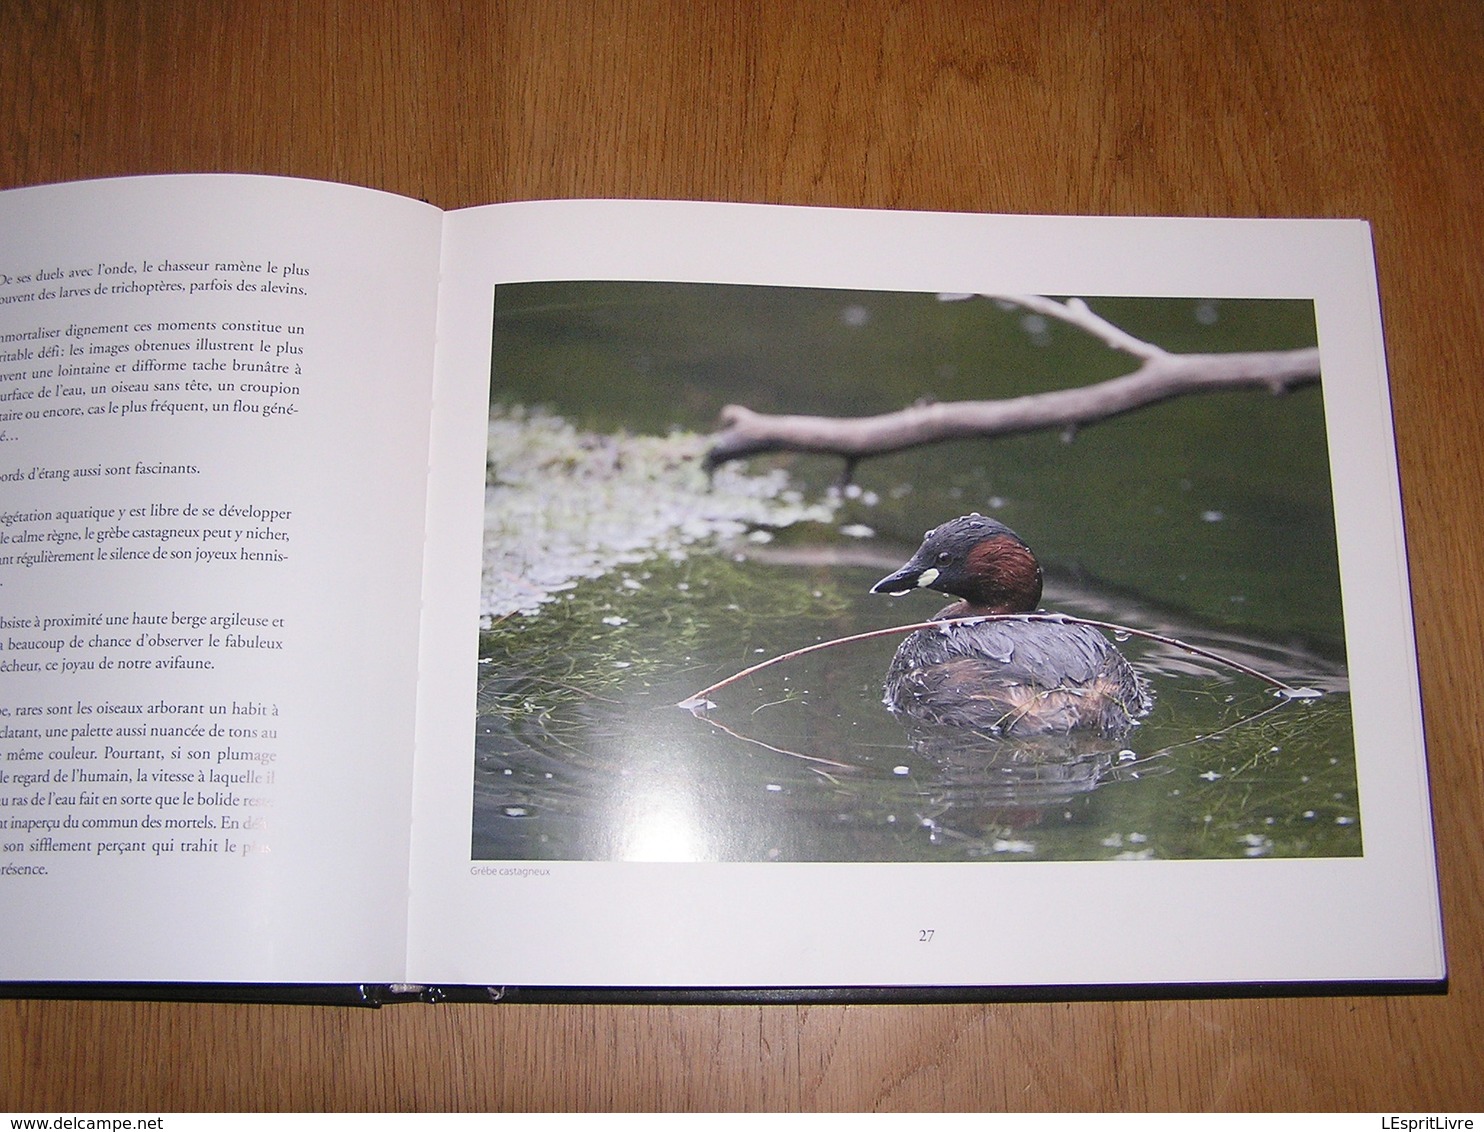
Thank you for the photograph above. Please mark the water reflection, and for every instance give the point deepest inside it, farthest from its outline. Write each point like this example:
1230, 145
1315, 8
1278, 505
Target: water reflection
975, 770
987, 795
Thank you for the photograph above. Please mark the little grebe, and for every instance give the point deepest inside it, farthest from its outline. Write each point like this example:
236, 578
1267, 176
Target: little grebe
1002, 677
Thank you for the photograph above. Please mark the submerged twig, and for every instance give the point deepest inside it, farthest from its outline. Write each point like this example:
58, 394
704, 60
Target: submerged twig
699, 702
781, 750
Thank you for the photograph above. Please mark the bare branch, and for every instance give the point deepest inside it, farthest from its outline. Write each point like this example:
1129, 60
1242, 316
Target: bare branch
1077, 313
701, 701
1162, 375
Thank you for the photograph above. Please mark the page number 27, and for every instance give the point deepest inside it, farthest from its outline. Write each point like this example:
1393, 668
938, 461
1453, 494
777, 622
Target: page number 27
925, 935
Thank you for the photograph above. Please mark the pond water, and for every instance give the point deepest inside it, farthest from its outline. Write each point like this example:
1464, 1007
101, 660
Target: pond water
1206, 519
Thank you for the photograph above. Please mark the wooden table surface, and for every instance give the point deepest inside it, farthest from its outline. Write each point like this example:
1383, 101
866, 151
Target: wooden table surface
1247, 108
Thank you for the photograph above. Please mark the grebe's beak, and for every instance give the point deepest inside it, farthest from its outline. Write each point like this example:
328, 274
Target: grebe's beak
904, 581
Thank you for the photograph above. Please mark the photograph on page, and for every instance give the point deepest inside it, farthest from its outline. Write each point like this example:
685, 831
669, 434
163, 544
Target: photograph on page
1110, 518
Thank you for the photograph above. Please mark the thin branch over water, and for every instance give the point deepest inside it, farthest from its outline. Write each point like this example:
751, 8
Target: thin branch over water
701, 702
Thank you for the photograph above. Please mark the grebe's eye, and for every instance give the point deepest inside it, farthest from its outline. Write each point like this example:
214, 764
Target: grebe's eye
944, 556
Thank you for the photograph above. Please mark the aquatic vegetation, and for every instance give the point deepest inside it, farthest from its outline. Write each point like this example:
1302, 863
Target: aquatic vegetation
602, 562
640, 626
562, 505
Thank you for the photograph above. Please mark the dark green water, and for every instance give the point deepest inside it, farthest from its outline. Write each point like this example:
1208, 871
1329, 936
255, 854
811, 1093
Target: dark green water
1206, 518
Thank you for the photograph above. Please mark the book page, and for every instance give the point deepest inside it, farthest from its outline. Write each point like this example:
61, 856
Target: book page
609, 793
214, 395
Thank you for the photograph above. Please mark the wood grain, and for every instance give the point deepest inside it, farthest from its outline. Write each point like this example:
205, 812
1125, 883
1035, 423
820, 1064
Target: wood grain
1247, 108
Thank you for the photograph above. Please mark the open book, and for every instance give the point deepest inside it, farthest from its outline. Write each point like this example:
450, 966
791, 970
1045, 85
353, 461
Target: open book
371, 579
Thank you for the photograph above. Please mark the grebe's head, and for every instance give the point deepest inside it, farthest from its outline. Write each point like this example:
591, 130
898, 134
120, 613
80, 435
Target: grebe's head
980, 560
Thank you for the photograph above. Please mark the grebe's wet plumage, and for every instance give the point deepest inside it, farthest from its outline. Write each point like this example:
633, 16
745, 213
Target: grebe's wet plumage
1002, 677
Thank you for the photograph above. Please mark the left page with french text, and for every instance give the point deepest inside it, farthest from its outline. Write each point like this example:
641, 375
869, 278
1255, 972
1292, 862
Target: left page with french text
214, 403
